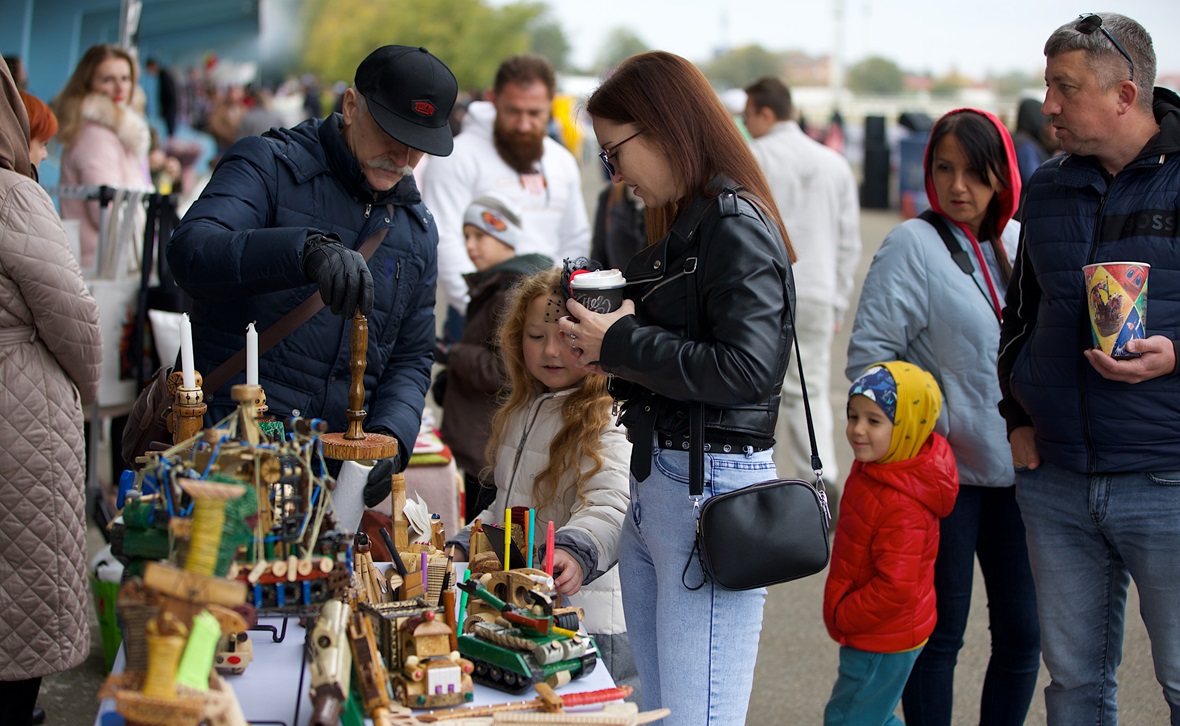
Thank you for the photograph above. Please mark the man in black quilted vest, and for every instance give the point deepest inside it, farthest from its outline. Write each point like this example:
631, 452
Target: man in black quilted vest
1096, 439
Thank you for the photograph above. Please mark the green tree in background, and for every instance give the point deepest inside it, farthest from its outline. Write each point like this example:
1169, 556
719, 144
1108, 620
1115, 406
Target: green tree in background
618, 46
548, 39
875, 75
742, 66
470, 36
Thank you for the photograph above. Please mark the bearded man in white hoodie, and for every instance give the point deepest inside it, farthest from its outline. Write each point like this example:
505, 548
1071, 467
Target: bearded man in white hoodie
816, 195
504, 149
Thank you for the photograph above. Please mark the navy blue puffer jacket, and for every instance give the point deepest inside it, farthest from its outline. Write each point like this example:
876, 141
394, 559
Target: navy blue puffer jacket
238, 252
1077, 214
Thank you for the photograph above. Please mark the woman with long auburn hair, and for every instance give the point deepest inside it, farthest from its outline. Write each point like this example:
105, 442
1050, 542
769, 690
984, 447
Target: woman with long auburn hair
704, 336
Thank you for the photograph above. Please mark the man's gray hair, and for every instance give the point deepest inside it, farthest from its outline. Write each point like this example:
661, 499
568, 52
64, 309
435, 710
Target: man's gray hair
1104, 58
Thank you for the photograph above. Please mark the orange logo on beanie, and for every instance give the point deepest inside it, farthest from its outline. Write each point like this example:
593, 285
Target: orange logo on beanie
424, 108
493, 220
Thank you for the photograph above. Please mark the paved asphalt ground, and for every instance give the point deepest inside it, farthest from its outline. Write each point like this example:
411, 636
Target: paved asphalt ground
796, 661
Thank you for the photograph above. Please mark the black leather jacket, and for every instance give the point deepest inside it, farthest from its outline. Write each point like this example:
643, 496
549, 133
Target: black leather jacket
736, 367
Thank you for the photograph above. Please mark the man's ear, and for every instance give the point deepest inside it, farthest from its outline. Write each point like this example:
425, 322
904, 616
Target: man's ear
1128, 95
350, 106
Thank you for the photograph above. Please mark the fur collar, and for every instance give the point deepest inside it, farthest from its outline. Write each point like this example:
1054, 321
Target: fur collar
128, 124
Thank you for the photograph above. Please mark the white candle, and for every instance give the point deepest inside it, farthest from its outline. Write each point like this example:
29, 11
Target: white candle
251, 355
188, 370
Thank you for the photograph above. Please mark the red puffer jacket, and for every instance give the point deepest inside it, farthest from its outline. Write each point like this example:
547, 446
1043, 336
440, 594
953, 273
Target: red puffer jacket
879, 595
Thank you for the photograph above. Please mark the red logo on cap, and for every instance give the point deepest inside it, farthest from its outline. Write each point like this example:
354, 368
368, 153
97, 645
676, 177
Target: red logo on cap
424, 108
494, 222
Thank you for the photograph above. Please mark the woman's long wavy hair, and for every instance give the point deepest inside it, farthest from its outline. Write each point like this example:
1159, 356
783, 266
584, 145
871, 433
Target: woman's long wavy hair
68, 103
585, 413
678, 111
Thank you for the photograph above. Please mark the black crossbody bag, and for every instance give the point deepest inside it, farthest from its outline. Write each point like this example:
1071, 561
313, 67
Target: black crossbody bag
767, 533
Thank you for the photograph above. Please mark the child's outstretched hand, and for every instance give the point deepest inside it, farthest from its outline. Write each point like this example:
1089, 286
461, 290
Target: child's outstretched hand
567, 573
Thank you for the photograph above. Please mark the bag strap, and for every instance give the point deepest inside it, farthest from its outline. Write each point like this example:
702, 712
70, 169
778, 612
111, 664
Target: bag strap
696, 433
958, 254
284, 326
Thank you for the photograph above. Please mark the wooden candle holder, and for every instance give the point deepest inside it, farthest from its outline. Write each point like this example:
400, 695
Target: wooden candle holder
354, 444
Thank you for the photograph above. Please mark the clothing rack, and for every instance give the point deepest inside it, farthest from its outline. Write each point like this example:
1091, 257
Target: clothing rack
139, 278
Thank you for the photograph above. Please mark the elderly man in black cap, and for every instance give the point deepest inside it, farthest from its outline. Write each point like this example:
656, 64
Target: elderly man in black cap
325, 214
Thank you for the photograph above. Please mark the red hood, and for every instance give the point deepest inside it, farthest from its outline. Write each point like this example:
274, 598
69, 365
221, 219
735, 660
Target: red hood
1009, 196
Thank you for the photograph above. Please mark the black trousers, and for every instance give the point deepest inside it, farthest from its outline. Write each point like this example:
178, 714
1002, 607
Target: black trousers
19, 698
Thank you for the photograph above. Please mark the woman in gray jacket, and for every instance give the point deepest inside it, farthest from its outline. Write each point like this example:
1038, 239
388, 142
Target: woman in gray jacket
942, 313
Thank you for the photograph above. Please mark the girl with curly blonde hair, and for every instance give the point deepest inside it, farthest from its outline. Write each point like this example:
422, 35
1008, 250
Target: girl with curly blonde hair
554, 447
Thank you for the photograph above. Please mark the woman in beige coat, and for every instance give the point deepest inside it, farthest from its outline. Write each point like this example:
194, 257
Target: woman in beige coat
50, 358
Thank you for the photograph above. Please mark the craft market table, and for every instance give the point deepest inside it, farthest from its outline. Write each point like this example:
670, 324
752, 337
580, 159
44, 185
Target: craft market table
274, 689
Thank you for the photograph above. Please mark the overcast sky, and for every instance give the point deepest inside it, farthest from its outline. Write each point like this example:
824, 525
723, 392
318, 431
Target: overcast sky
920, 35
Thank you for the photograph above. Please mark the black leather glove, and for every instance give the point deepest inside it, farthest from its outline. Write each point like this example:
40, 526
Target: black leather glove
378, 485
342, 274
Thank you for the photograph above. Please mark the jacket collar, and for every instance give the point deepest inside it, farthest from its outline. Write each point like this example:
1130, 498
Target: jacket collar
343, 166
651, 262
1166, 106
125, 122
688, 219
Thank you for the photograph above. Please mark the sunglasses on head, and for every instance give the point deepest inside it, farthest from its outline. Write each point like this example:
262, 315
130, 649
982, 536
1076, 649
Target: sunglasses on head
1087, 24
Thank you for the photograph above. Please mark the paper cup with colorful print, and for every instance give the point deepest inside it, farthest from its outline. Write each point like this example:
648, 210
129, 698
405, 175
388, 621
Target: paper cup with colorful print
1116, 295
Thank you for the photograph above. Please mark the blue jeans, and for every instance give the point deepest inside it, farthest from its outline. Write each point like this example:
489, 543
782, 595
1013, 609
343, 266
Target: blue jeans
695, 650
1088, 537
985, 523
868, 687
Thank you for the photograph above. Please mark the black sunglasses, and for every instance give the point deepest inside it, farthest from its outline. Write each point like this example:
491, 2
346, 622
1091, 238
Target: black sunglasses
1087, 24
605, 156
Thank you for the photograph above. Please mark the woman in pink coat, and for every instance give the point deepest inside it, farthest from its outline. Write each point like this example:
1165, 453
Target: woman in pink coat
106, 140
50, 358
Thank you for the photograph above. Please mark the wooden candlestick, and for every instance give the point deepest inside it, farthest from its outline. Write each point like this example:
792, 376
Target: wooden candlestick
354, 444
401, 524
247, 397
188, 407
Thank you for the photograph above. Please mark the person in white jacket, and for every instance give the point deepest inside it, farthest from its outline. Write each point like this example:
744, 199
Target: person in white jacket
555, 448
504, 149
815, 192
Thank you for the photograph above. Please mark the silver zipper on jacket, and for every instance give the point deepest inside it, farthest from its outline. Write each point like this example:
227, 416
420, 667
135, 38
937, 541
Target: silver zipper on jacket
690, 266
524, 436
368, 209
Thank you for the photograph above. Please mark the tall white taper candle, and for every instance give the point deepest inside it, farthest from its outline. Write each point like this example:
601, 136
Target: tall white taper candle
251, 355
188, 370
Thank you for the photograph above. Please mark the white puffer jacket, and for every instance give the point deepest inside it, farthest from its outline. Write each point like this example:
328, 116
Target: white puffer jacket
599, 516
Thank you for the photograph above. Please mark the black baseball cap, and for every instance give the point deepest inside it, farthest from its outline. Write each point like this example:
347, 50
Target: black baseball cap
410, 93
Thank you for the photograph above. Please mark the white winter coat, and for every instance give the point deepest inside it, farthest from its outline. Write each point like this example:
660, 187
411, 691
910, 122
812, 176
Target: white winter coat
815, 193
524, 452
